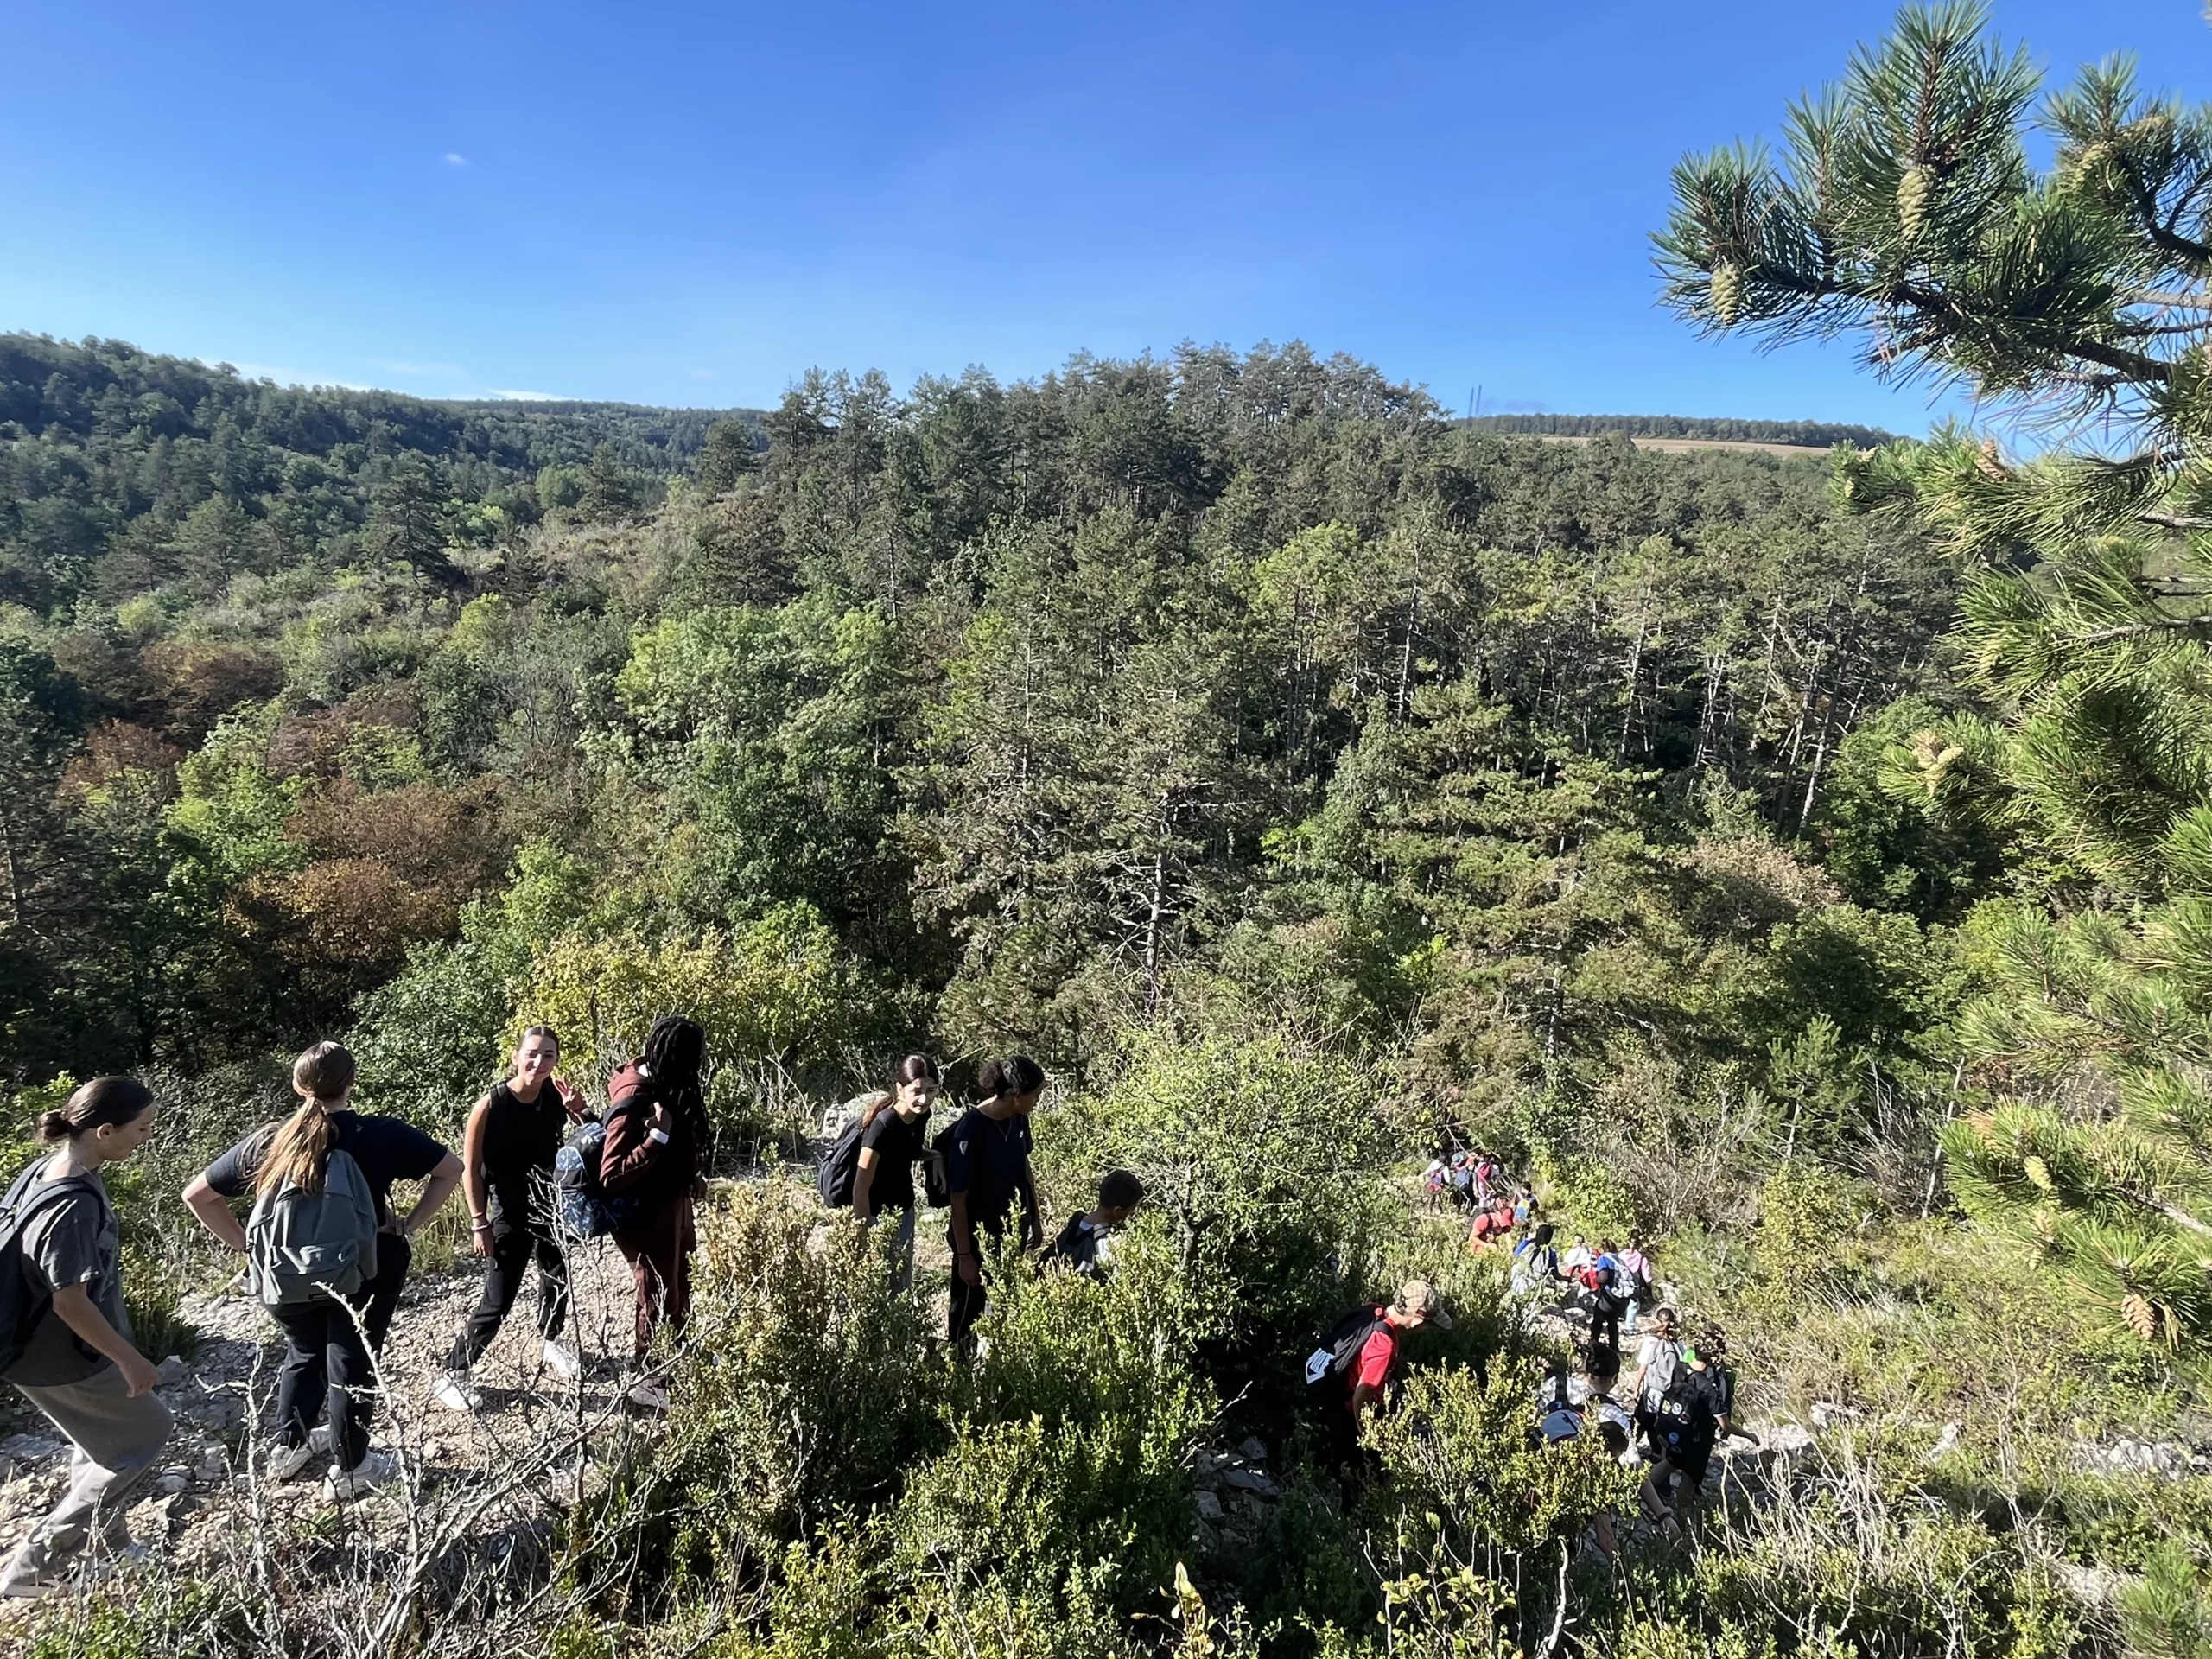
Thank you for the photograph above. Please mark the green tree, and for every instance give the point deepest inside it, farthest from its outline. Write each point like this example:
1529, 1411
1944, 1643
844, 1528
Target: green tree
729, 455
410, 520
1909, 215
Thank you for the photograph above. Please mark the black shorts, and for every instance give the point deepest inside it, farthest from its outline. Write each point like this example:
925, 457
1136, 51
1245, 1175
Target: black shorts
1690, 1460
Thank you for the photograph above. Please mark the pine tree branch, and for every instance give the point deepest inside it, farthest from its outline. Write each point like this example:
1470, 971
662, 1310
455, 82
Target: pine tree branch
2163, 235
2180, 1218
1946, 317
2137, 630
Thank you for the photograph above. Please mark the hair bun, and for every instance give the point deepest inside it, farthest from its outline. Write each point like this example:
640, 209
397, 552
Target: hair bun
52, 1126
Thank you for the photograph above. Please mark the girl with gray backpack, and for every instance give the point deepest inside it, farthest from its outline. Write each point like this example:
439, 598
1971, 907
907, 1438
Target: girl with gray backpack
319, 1243
67, 1342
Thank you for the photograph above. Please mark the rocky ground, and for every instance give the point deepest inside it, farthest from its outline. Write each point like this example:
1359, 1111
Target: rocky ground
191, 1501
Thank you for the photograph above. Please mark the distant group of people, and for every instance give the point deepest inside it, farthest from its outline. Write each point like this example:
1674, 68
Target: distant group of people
1681, 1403
1476, 1183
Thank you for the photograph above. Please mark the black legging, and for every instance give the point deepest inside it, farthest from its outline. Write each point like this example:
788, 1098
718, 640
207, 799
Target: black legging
326, 1356
512, 1252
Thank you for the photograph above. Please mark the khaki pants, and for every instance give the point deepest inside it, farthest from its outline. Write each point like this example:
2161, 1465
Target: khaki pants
117, 1440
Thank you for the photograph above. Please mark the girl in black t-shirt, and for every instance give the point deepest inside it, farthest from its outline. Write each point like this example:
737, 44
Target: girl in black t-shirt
895, 1136
987, 1174
330, 1342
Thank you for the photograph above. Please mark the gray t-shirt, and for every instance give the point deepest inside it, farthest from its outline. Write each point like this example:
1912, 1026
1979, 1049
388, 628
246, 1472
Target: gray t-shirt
71, 1241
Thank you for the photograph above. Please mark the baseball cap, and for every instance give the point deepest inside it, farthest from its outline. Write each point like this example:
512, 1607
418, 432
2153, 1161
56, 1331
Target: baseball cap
1421, 1299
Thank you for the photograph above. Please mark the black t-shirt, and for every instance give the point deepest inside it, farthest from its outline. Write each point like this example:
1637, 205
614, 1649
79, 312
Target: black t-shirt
1720, 1385
896, 1144
988, 1160
387, 1150
521, 1138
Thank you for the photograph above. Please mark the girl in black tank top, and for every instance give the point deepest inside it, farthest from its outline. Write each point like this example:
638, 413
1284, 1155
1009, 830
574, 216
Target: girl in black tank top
508, 1158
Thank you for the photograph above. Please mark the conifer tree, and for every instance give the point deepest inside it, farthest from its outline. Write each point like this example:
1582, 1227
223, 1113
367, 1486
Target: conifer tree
1906, 213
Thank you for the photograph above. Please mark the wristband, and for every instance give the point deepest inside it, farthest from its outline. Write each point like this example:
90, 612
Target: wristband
483, 1227
660, 1135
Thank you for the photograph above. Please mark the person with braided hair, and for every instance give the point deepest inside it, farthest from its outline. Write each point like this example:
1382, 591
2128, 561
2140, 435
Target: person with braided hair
654, 1161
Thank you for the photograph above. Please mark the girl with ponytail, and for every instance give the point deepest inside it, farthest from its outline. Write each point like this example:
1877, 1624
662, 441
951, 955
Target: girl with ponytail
77, 1363
893, 1137
330, 1342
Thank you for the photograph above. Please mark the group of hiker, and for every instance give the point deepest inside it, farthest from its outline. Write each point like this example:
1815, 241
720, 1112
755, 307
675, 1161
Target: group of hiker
326, 1255
1680, 1398
976, 1168
328, 1252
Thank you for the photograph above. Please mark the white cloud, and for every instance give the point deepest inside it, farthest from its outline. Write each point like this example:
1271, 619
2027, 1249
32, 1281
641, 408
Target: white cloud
530, 397
284, 376
455, 158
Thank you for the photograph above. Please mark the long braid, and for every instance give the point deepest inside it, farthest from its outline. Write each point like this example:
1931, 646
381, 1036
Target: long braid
675, 1054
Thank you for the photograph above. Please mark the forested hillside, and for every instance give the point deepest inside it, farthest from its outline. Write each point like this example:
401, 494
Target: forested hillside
122, 472
1816, 434
1796, 869
1032, 701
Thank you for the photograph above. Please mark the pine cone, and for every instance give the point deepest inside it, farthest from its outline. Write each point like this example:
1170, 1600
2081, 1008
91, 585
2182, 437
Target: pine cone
2036, 1170
1987, 462
1912, 200
1727, 293
2142, 1319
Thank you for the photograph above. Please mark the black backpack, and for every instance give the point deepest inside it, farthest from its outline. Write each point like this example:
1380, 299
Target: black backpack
842, 1166
1682, 1416
1327, 1365
935, 1192
21, 1305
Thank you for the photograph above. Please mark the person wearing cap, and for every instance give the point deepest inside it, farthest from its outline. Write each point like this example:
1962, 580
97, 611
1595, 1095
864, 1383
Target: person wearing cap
1350, 1374
1683, 1424
1418, 1303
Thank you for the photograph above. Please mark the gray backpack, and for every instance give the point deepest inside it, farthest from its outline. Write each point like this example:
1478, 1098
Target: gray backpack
301, 1245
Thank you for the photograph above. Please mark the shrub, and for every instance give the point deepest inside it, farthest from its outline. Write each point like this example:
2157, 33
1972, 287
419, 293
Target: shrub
1258, 1157
776, 989
806, 1393
431, 1040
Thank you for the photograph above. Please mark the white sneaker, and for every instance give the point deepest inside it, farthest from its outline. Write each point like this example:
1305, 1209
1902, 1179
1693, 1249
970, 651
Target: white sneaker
453, 1392
370, 1473
647, 1394
290, 1463
562, 1360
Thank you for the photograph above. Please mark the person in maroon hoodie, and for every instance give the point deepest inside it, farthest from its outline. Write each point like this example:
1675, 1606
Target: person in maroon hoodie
655, 1159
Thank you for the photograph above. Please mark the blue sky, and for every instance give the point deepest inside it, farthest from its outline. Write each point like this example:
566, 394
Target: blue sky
693, 204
